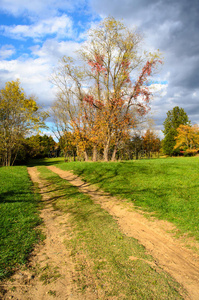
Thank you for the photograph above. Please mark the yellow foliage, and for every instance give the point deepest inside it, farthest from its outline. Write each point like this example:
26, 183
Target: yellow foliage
188, 137
18, 116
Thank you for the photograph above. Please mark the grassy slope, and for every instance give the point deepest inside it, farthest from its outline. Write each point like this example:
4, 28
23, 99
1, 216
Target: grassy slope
168, 187
102, 252
18, 217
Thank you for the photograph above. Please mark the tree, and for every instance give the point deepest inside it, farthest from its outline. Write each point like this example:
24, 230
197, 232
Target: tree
151, 143
187, 139
67, 143
19, 115
175, 117
107, 85
137, 144
39, 146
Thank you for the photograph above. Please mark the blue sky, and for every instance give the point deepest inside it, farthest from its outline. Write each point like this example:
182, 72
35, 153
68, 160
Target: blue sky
34, 35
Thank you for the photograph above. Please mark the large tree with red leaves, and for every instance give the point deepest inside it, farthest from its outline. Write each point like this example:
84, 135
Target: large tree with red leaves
110, 90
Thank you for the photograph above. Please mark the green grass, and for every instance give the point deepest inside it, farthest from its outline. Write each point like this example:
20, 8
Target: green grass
102, 253
169, 187
18, 218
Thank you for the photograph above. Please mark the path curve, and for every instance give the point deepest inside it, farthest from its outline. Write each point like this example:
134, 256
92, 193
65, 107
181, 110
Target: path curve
170, 254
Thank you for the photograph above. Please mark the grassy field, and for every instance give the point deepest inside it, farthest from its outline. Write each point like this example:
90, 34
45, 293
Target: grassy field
18, 217
169, 187
101, 253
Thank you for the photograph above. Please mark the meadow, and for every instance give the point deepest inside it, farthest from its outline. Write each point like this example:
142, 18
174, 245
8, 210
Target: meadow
168, 188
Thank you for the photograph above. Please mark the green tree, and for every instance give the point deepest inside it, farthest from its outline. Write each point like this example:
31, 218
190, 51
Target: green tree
19, 115
175, 117
136, 144
39, 146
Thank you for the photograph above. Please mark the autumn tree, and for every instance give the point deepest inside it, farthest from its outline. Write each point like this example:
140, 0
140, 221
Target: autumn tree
110, 84
74, 120
187, 139
175, 117
19, 115
150, 142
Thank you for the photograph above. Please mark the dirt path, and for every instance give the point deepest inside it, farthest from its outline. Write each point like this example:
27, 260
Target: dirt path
169, 253
51, 273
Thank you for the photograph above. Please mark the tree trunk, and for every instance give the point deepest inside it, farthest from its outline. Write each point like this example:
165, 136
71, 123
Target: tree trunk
94, 153
13, 161
85, 156
136, 154
114, 154
106, 150
74, 155
65, 157
8, 159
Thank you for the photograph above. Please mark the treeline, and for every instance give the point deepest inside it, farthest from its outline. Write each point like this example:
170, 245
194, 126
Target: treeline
37, 146
138, 146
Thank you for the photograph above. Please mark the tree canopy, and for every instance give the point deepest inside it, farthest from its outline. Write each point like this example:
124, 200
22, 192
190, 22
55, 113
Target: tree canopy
175, 117
103, 97
187, 139
19, 115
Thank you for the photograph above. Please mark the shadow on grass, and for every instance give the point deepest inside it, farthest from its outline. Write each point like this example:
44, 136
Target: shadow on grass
13, 197
45, 162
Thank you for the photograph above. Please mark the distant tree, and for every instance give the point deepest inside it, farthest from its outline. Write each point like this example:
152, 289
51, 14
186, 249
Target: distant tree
151, 142
48, 144
39, 146
67, 143
187, 139
136, 144
19, 115
175, 117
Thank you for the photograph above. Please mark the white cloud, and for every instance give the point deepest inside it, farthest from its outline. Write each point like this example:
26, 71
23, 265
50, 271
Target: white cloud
31, 74
52, 50
61, 26
6, 51
34, 73
159, 89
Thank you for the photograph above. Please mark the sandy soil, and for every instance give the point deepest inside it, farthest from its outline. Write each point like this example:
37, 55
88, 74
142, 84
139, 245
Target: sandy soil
51, 272
169, 253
